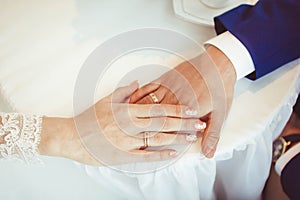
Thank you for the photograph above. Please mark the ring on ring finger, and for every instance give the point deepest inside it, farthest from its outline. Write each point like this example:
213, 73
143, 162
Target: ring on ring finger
154, 98
146, 139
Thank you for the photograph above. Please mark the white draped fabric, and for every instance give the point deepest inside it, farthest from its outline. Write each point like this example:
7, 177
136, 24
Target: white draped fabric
43, 45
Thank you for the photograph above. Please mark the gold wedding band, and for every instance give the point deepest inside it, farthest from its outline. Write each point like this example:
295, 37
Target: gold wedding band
154, 98
146, 141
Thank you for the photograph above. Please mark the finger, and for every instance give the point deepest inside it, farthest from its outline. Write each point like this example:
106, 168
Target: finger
164, 139
122, 93
163, 94
158, 139
163, 110
143, 91
150, 155
169, 98
169, 124
212, 135
148, 99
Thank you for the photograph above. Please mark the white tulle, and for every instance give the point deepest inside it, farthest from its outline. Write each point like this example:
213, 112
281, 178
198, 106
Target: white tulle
20, 137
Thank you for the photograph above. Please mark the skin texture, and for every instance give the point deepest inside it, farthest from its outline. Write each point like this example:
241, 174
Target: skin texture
115, 134
205, 83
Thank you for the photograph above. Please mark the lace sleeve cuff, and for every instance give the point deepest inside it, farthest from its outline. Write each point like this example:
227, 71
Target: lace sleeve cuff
20, 137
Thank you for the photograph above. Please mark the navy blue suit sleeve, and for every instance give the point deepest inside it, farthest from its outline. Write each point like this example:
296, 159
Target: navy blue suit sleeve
270, 31
290, 178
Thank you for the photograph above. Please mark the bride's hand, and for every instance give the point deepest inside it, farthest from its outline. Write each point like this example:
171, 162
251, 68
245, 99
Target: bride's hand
112, 131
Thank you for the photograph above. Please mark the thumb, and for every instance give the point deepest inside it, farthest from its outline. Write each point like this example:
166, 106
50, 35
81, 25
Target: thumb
122, 94
212, 134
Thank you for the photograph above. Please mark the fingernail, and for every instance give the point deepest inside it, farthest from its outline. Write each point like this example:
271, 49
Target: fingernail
191, 138
209, 152
191, 112
134, 83
173, 153
200, 126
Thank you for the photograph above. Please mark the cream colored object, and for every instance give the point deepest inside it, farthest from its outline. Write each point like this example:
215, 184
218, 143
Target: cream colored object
42, 47
216, 3
203, 11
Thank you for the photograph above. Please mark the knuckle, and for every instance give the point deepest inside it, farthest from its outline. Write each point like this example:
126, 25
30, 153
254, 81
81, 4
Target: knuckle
158, 110
166, 124
173, 139
178, 110
161, 155
157, 139
172, 98
144, 100
212, 139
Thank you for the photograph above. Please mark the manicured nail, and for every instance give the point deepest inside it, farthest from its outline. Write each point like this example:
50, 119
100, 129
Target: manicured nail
200, 126
191, 112
191, 138
173, 153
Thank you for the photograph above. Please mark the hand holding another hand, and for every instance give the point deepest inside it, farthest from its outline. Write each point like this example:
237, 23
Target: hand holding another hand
205, 83
112, 132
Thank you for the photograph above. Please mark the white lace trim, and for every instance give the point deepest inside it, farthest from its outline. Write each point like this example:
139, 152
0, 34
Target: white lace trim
20, 137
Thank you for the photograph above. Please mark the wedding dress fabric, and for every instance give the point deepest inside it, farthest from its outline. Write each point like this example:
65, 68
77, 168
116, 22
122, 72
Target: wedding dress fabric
41, 54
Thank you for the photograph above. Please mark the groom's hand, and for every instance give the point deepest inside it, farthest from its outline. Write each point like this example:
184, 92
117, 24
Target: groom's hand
205, 83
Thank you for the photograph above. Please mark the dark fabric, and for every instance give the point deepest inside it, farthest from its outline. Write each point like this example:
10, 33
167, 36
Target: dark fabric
297, 107
290, 178
270, 31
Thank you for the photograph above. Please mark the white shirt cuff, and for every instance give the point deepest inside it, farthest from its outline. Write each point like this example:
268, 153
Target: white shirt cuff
286, 157
235, 51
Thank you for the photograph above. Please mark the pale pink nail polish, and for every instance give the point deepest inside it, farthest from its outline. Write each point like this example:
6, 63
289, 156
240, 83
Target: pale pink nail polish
191, 112
173, 153
191, 138
200, 126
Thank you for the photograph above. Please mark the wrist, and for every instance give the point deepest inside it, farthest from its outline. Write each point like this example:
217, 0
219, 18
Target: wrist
226, 70
223, 64
56, 133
